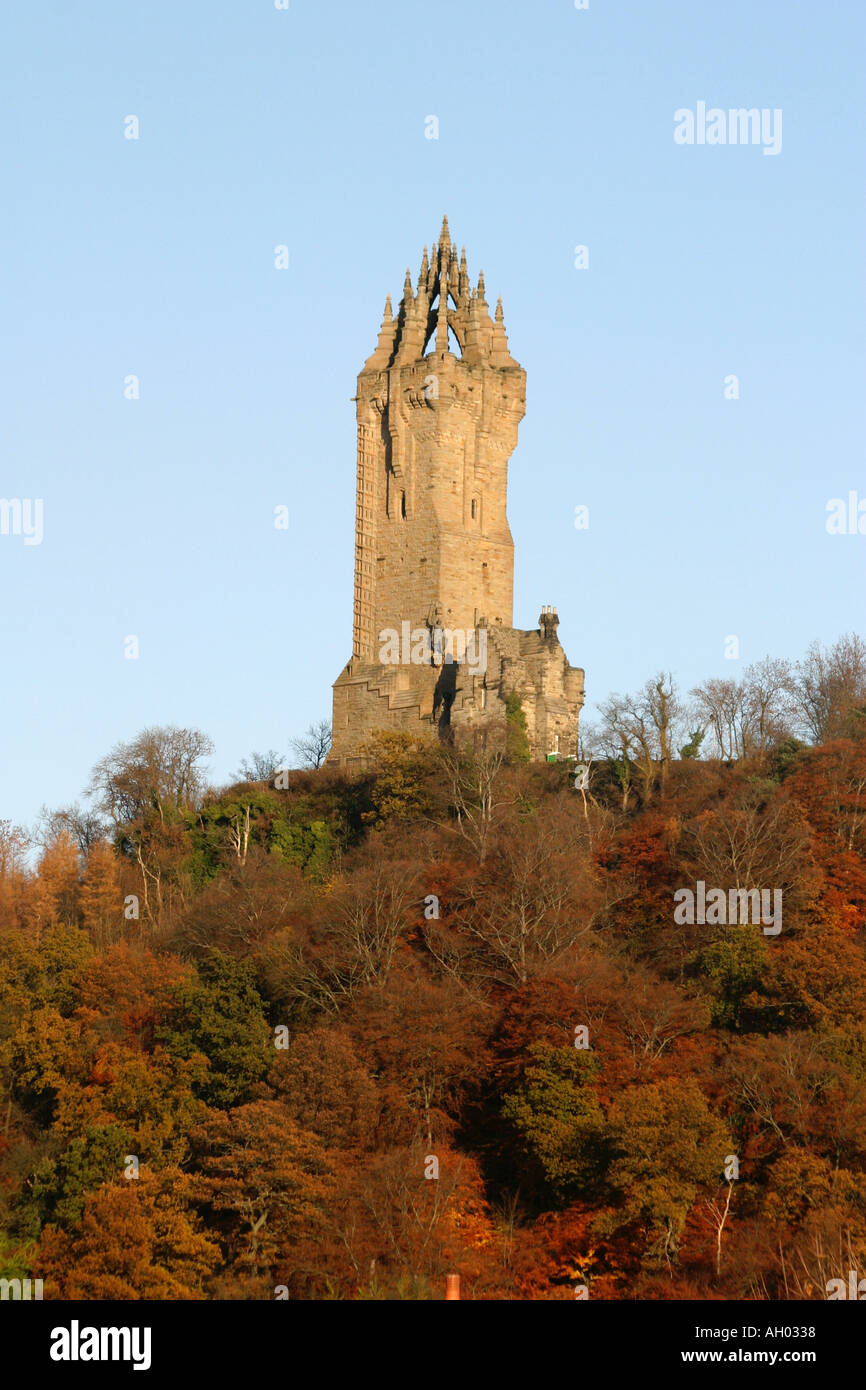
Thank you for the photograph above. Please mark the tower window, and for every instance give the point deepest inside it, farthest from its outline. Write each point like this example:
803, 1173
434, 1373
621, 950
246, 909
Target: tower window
403, 505
473, 508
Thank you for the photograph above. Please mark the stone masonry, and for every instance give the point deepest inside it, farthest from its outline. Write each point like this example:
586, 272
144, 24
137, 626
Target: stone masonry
438, 406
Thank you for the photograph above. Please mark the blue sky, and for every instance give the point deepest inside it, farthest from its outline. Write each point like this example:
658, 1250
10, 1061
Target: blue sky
306, 127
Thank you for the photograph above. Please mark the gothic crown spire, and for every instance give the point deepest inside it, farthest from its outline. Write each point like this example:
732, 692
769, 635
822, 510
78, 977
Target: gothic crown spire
442, 313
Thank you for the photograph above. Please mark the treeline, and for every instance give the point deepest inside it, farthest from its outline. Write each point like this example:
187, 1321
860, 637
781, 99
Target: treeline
775, 706
332, 1036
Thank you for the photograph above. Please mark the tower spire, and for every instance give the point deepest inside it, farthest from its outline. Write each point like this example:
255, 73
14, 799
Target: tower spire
442, 317
387, 333
499, 354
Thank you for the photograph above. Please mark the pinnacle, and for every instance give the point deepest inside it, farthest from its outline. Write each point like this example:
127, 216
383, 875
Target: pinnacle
445, 235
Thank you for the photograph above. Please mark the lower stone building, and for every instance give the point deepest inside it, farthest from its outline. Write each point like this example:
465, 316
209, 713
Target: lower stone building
455, 695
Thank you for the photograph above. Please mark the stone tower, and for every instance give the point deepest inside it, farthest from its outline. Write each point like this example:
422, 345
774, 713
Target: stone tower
438, 406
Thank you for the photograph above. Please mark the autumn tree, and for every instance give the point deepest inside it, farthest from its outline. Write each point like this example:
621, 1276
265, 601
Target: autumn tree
219, 1014
244, 907
768, 704
478, 793
160, 772
753, 840
130, 990
56, 1192
667, 1146
829, 784
790, 1089
830, 688
101, 899
54, 895
535, 896
734, 967
86, 826
93, 1086
313, 747
718, 706
403, 765
326, 1089
751, 715
14, 843
137, 1240
640, 731
402, 1228
557, 1114
662, 705
264, 1179
261, 767
420, 1040
148, 787
352, 943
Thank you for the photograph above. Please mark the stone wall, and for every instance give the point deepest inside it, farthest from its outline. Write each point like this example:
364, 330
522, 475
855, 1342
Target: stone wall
436, 699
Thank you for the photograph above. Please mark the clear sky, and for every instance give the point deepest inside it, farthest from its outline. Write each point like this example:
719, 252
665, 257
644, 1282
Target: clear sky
305, 127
